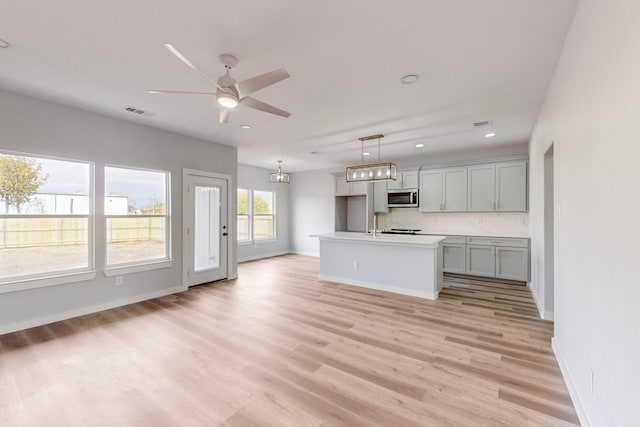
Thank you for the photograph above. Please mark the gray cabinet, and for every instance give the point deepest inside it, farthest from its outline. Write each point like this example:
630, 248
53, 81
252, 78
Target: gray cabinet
380, 197
498, 187
404, 179
443, 190
481, 260
454, 255
512, 263
503, 258
482, 187
344, 188
430, 191
511, 185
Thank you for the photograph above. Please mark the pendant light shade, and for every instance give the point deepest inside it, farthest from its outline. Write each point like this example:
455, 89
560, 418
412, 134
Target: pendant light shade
372, 172
279, 177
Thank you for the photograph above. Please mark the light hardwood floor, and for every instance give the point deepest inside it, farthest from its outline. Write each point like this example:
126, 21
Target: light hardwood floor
277, 347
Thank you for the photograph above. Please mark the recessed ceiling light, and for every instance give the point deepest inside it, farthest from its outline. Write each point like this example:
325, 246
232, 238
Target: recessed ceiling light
366, 154
409, 79
4, 44
246, 127
490, 135
419, 145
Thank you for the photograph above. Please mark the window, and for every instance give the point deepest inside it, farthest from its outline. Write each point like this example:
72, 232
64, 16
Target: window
256, 215
244, 229
263, 218
46, 227
137, 216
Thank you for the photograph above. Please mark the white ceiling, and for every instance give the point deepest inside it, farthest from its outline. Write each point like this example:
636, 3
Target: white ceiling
477, 60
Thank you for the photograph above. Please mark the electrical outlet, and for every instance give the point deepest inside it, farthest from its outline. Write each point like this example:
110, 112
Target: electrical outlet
355, 265
522, 222
119, 281
479, 221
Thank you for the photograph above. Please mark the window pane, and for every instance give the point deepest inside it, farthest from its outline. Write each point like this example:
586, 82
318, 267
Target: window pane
262, 202
243, 201
30, 246
135, 192
206, 233
37, 186
243, 228
263, 227
136, 239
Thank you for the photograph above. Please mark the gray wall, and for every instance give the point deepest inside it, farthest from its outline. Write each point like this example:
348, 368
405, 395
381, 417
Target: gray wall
254, 178
590, 114
35, 126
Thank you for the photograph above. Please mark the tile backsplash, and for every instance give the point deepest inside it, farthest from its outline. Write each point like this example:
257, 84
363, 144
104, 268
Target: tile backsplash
503, 224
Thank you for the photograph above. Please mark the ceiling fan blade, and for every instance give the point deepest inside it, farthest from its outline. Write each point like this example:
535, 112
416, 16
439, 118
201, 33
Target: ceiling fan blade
179, 92
224, 115
256, 83
190, 64
248, 101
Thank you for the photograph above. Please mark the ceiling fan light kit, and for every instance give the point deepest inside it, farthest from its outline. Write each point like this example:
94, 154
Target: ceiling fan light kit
372, 172
229, 93
279, 177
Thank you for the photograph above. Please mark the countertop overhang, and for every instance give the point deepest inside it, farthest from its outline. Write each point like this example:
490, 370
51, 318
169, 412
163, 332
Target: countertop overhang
384, 239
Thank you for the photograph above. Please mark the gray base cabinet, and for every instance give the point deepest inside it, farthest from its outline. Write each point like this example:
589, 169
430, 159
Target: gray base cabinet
512, 263
502, 258
454, 254
481, 261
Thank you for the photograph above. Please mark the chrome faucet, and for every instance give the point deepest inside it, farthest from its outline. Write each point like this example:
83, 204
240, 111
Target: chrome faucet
375, 223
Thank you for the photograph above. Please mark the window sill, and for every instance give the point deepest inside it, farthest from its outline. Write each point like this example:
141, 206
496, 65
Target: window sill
61, 279
245, 243
260, 241
136, 268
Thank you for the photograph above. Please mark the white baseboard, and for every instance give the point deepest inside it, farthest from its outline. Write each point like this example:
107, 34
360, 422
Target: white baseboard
32, 323
575, 398
392, 289
305, 253
260, 256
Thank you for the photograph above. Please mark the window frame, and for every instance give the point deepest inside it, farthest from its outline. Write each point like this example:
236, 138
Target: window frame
138, 265
57, 277
252, 240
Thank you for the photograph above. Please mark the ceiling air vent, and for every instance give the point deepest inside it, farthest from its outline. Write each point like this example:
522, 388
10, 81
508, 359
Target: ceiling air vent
138, 111
484, 123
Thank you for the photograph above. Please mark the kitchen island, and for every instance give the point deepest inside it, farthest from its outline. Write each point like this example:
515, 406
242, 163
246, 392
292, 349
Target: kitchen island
403, 264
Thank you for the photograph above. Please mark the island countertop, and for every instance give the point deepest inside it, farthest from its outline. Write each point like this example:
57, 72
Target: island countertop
384, 239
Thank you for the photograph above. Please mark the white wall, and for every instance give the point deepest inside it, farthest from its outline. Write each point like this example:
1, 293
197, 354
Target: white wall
250, 177
591, 113
40, 127
312, 209
495, 224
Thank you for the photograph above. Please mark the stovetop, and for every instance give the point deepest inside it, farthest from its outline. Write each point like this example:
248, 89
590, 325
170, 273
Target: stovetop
400, 231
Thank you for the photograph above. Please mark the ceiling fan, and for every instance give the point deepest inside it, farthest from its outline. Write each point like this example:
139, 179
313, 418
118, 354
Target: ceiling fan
230, 93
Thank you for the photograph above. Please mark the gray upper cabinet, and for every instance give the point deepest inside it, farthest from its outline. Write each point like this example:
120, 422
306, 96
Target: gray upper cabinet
511, 186
344, 188
380, 197
454, 183
443, 190
498, 187
482, 187
404, 179
430, 191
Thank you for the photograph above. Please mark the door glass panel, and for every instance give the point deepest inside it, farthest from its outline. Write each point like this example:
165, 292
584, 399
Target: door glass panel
206, 233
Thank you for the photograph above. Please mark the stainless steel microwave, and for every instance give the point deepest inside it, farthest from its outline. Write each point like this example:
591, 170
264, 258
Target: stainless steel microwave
405, 198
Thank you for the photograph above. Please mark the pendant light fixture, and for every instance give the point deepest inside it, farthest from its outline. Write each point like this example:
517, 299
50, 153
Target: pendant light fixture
279, 177
372, 172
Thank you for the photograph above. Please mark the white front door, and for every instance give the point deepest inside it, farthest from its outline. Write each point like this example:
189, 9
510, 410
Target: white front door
205, 225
